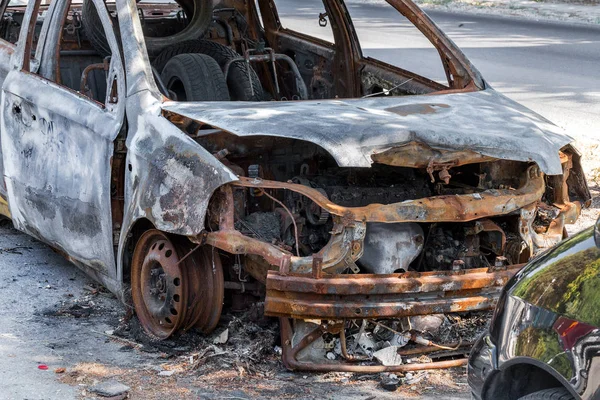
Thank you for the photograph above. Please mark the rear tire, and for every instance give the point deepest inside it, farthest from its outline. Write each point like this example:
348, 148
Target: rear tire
195, 77
241, 86
549, 394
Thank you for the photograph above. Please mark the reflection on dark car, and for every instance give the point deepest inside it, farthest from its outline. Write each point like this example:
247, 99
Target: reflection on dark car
544, 339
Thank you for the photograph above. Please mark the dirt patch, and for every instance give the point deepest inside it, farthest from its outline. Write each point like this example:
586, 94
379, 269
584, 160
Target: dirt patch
228, 383
96, 300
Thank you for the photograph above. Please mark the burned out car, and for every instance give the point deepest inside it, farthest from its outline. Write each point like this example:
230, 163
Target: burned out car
196, 154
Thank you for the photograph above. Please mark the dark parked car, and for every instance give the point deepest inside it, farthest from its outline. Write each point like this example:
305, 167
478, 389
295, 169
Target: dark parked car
544, 339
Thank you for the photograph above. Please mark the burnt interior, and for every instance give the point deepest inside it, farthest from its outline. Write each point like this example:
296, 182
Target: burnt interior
251, 30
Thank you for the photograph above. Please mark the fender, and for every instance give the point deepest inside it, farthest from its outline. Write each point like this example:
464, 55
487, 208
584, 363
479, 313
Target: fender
169, 178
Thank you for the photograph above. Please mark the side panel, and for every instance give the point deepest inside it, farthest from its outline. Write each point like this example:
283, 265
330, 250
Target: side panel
550, 316
567, 349
169, 178
565, 280
6, 51
57, 150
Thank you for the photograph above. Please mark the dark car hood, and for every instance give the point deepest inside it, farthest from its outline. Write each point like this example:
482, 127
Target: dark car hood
352, 130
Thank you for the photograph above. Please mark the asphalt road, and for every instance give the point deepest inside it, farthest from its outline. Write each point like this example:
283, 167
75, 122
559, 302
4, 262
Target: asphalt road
552, 68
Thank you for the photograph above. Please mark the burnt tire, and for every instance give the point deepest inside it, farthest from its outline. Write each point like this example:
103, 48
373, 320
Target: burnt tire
195, 77
199, 12
549, 394
94, 31
242, 87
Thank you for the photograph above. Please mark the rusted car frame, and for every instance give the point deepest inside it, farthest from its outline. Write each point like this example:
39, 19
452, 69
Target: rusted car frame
354, 210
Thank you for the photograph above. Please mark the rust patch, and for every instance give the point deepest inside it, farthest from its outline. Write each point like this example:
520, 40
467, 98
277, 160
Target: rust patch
466, 207
383, 296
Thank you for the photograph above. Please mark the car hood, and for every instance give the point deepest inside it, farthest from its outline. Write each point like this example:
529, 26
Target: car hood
352, 130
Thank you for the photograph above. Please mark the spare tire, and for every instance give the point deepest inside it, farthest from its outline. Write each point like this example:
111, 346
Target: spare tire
195, 77
241, 86
200, 20
94, 31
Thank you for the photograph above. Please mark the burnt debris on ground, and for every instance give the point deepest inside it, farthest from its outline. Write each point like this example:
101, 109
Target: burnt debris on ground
240, 341
94, 301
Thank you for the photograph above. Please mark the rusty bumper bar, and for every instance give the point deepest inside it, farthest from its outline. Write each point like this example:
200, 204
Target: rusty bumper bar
384, 296
464, 207
343, 297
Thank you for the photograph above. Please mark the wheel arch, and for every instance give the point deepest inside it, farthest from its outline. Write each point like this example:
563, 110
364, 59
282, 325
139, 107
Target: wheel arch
522, 376
169, 180
132, 236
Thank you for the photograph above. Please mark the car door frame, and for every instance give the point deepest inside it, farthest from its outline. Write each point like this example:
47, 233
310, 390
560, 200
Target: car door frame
461, 75
72, 208
7, 50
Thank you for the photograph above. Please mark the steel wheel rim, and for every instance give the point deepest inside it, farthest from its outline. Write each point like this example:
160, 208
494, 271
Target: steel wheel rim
159, 285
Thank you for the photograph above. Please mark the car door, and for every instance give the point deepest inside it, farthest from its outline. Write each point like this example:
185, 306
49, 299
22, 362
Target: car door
57, 143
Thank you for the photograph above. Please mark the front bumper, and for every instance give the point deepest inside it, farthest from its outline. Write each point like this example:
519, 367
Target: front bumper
346, 296
338, 298
483, 362
312, 288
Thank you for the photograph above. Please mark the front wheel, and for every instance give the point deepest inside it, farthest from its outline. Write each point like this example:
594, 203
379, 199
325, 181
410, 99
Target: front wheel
549, 394
174, 285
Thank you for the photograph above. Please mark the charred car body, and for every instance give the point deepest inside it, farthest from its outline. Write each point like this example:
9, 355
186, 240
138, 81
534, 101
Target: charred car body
180, 151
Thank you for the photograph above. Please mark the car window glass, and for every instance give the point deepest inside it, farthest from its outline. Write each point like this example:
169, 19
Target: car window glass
308, 18
388, 36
